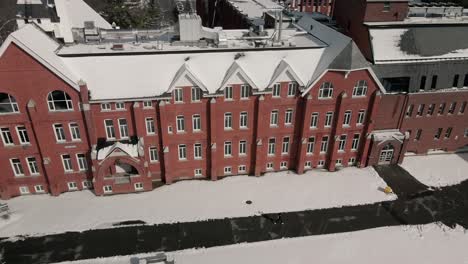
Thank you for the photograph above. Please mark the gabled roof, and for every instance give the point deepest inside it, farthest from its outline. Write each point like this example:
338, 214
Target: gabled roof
350, 58
185, 72
128, 149
234, 70
284, 67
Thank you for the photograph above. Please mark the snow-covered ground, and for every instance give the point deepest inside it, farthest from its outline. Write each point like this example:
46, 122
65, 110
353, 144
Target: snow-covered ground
196, 200
429, 244
438, 170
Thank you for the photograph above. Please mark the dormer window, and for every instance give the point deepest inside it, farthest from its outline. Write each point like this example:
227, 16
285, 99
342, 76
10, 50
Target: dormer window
360, 89
178, 95
276, 90
326, 90
292, 89
228, 93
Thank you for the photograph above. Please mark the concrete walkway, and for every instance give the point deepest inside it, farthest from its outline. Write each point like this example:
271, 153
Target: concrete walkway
402, 183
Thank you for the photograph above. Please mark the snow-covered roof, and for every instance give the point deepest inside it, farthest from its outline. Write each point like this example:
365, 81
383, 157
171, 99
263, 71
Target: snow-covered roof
390, 134
410, 44
254, 9
129, 149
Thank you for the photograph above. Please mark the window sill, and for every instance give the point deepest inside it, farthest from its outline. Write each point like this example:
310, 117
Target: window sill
244, 128
228, 129
227, 156
10, 113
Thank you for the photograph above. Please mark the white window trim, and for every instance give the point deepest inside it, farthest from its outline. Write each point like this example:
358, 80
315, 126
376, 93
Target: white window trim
180, 117
39, 188
126, 128
56, 135
72, 188
179, 147
107, 188
25, 188
71, 131
138, 186
195, 152
3, 138
104, 109
13, 167
85, 162
193, 123
63, 163
113, 128
150, 150
147, 127
19, 136
29, 166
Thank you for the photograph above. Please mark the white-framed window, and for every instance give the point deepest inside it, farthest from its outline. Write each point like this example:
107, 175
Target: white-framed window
430, 109
245, 92
339, 162
285, 146
284, 165
274, 118
153, 154
276, 90
347, 118
39, 188
360, 117
138, 186
269, 166
197, 151
242, 148
178, 95
242, 169
448, 132
110, 130
120, 106
409, 111
352, 161
420, 110
105, 107
288, 117
24, 189
441, 109
328, 119
6, 136
67, 163
228, 170
310, 145
320, 164
227, 121
314, 120
59, 101
182, 152
228, 93
360, 89
227, 148
308, 165
462, 108
196, 94
107, 188
82, 162
8, 104
196, 123
87, 184
72, 186
147, 104
243, 120
17, 167
198, 172
22, 135
271, 146
74, 131
59, 133
324, 144
451, 109
32, 166
180, 123
342, 143
292, 89
123, 128
355, 143
150, 128
326, 90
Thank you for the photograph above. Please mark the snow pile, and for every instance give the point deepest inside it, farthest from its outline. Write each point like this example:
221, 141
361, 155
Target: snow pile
388, 245
197, 200
438, 170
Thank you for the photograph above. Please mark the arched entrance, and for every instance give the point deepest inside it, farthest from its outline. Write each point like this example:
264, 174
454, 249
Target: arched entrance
120, 170
386, 154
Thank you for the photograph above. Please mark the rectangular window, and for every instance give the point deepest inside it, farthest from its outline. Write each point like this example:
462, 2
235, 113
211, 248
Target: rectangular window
314, 120
32, 165
67, 163
17, 167
243, 120
420, 110
285, 146
292, 88
274, 118
441, 109
138, 186
360, 117
276, 90
24, 189
59, 133
386, 7
308, 165
242, 148
178, 95
245, 92
456, 77
310, 145
107, 188
347, 118
430, 109
196, 122
269, 166
462, 108
288, 117
123, 128
227, 121
182, 152
22, 135
355, 143
227, 148
150, 128
324, 144
6, 136
87, 184
147, 104
72, 186
339, 162
180, 124
284, 165
409, 111
242, 169
342, 143
320, 164
352, 161
228, 93
271, 146
39, 188
448, 133
438, 133
227, 170
110, 131
82, 162
434, 82
326, 90
197, 151
452, 106
153, 154
105, 106
196, 94
360, 89
198, 173
74, 131
418, 135
328, 119
120, 106
422, 85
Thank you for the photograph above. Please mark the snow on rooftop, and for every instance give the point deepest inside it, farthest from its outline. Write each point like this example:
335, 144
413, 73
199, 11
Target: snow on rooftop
254, 9
130, 149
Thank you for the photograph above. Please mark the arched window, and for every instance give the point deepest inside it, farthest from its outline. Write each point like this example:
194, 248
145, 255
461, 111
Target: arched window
8, 104
326, 90
388, 147
59, 101
360, 89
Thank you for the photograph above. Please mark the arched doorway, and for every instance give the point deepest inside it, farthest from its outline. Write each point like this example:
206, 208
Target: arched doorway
386, 154
120, 171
